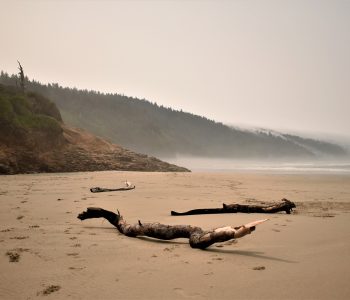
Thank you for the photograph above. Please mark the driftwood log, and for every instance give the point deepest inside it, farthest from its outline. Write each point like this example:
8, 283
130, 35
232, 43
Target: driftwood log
128, 186
285, 205
100, 190
198, 238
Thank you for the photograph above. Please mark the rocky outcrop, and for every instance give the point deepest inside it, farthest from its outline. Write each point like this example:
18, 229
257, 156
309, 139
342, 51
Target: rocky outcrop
79, 151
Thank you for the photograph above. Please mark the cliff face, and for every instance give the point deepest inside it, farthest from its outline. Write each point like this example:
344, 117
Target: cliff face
34, 139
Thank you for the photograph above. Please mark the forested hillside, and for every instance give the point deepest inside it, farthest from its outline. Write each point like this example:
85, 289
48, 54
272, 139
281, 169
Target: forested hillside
34, 139
156, 130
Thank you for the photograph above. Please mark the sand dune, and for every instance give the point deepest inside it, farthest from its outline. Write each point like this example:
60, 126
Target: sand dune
47, 251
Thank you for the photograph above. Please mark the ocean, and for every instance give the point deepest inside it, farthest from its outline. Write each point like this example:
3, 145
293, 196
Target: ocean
196, 164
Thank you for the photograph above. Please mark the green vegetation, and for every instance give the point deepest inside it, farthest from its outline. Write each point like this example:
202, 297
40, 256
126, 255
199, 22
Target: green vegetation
148, 128
32, 139
22, 114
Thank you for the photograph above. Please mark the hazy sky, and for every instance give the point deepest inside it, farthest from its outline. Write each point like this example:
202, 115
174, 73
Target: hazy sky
275, 64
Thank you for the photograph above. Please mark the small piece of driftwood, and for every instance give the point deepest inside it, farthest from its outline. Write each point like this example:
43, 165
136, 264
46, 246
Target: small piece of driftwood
100, 190
198, 238
128, 186
285, 206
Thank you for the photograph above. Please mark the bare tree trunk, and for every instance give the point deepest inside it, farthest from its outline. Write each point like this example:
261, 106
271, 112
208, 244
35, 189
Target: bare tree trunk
285, 205
21, 77
198, 238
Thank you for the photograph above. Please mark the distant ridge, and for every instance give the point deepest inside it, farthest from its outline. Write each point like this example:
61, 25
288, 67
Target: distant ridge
34, 139
156, 130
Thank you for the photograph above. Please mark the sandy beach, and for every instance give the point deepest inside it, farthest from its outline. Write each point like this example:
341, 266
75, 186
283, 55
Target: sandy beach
47, 252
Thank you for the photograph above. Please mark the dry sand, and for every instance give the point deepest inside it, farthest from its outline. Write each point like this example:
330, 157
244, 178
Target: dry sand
305, 255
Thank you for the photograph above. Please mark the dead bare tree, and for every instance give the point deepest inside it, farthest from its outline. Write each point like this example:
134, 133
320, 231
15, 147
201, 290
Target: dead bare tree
21, 77
198, 238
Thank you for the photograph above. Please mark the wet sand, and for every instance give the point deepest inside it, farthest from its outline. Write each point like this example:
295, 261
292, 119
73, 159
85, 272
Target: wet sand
47, 252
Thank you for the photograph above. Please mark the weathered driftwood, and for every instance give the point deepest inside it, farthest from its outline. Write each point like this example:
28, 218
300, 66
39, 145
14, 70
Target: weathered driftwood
100, 190
128, 186
285, 205
198, 238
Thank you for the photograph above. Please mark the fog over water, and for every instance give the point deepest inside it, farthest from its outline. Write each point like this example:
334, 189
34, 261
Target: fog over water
202, 164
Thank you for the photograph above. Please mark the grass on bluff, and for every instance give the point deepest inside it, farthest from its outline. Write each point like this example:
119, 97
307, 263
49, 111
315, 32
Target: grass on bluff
27, 111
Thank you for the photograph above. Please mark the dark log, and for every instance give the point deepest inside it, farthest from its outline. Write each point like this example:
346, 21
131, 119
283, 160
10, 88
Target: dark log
198, 238
286, 206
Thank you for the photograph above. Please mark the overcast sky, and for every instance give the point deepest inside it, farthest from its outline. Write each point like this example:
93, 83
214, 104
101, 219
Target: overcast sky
283, 65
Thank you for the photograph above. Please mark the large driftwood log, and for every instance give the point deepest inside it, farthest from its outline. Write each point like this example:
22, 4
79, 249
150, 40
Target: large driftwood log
198, 238
285, 205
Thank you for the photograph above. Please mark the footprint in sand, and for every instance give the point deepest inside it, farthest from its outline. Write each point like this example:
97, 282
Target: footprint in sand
76, 268
259, 268
170, 249
19, 237
49, 290
73, 254
14, 254
217, 258
7, 229
66, 231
